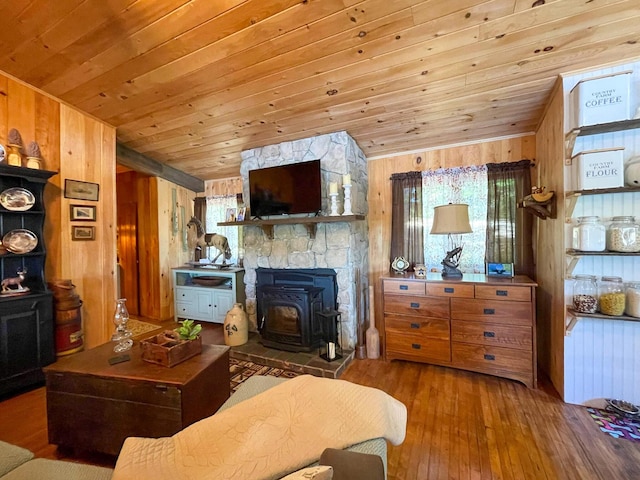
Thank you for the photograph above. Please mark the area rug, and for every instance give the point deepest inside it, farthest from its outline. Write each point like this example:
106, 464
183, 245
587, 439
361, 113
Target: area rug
240, 370
139, 327
616, 425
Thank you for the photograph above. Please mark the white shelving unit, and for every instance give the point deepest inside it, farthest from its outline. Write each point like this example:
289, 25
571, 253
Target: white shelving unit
205, 293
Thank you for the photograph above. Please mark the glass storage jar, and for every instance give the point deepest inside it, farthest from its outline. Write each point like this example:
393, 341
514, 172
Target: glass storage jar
589, 235
632, 306
623, 235
611, 296
584, 294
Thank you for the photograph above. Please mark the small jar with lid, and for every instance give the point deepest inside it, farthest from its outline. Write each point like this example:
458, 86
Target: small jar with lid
584, 294
632, 305
623, 235
611, 296
589, 235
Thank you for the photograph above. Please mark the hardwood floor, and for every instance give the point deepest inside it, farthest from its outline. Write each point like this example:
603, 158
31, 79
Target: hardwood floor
461, 426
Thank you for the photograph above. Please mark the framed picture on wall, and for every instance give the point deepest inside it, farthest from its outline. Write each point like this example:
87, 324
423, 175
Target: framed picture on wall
81, 190
83, 233
500, 270
83, 213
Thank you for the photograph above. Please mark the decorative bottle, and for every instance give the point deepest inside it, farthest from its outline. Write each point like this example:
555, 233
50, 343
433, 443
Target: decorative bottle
122, 334
236, 326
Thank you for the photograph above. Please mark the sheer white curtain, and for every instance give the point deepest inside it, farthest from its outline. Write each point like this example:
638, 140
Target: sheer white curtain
456, 185
216, 212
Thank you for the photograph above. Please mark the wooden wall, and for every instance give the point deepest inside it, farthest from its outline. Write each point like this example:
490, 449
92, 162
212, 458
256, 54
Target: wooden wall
80, 148
550, 240
226, 186
379, 195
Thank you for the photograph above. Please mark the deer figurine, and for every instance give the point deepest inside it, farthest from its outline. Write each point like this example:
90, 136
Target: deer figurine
7, 282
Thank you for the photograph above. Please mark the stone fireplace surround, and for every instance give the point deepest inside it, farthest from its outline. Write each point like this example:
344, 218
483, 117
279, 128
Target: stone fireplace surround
341, 246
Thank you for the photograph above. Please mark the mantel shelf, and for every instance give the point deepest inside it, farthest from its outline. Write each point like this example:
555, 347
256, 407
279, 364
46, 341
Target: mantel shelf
309, 222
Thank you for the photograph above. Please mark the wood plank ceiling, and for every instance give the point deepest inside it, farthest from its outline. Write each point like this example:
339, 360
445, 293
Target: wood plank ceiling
193, 83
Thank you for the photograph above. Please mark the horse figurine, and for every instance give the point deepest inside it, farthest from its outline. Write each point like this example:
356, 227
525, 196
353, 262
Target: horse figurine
196, 238
17, 281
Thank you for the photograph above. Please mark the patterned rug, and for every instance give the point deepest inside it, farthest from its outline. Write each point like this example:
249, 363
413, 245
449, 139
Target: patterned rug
139, 327
240, 370
616, 425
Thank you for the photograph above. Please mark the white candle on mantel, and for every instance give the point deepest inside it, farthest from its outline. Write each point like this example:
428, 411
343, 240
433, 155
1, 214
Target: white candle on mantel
346, 179
333, 187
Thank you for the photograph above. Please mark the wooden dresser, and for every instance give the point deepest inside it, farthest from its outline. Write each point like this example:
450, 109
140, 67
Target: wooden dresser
479, 323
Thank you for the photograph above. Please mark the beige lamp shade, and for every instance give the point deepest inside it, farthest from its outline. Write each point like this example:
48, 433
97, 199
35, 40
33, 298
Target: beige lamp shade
451, 219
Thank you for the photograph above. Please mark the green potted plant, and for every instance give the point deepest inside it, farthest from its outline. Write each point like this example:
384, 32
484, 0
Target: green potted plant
189, 330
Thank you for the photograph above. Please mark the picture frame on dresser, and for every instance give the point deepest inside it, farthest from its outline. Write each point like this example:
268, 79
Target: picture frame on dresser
500, 270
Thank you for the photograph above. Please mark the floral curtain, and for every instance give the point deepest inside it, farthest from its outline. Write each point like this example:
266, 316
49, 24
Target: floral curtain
406, 217
456, 185
216, 211
509, 232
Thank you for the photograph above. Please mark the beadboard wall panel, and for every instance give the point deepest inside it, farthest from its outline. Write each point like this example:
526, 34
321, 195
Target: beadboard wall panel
602, 356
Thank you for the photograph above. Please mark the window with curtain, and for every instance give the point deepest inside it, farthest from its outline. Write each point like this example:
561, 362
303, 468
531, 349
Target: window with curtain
216, 212
456, 185
407, 228
509, 229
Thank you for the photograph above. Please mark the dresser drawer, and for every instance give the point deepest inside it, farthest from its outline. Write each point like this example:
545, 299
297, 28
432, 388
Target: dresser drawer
491, 334
489, 358
413, 305
435, 328
408, 345
510, 313
450, 290
507, 292
403, 287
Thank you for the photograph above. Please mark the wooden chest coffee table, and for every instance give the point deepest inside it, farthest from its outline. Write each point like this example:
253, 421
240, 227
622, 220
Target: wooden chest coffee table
92, 405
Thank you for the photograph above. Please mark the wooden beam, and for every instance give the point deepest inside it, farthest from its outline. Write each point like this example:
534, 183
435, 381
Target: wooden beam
141, 163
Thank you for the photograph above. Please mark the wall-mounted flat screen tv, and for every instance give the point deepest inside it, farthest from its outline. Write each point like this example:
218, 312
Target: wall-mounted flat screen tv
286, 189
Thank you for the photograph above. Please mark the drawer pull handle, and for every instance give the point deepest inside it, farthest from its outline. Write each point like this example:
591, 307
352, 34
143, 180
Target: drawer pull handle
415, 325
415, 346
404, 287
489, 357
415, 305
449, 290
489, 311
502, 293
489, 334
162, 387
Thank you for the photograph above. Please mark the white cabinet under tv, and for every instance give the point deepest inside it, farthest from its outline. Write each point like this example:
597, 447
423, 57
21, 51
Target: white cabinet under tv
205, 293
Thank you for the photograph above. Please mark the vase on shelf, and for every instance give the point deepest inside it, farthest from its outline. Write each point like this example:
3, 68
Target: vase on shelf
236, 326
122, 335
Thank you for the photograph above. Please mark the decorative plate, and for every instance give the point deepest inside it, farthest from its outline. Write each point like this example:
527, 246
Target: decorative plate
17, 199
20, 241
400, 265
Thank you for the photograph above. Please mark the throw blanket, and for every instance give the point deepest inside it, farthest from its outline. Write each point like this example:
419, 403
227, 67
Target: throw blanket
269, 435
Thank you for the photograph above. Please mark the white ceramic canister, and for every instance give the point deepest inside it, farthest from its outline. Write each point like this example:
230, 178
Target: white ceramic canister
589, 235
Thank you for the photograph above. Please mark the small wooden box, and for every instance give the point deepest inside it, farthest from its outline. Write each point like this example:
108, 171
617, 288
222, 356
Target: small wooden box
167, 351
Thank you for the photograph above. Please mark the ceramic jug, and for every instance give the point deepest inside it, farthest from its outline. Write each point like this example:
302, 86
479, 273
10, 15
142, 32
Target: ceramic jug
236, 326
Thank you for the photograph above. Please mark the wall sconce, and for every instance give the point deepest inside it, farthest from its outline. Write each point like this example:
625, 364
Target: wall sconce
451, 219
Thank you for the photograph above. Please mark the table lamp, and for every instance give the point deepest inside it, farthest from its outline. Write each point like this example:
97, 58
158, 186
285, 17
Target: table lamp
451, 219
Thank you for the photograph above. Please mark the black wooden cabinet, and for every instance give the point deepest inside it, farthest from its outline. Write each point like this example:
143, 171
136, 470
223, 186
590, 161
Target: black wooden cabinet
26, 320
